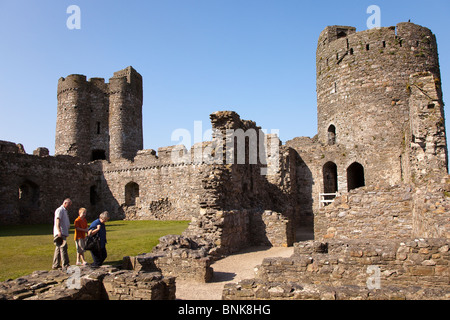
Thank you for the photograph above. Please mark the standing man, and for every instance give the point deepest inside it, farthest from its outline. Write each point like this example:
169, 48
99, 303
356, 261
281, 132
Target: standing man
60, 233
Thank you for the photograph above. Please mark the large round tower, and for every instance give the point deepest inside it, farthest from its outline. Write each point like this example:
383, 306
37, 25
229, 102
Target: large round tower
72, 121
362, 90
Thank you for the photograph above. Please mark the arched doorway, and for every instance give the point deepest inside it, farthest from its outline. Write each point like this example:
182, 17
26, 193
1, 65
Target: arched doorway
131, 193
29, 203
355, 176
330, 178
330, 183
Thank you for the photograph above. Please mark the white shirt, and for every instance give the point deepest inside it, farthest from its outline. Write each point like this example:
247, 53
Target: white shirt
64, 223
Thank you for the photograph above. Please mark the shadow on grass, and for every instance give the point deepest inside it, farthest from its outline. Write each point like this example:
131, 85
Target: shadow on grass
26, 230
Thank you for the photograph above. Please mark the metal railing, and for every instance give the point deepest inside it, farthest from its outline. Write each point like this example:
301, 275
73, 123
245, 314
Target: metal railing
324, 202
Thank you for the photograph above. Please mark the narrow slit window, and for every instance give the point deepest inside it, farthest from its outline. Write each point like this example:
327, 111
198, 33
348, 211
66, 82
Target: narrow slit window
331, 135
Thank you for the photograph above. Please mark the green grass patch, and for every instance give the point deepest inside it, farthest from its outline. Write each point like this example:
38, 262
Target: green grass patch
24, 249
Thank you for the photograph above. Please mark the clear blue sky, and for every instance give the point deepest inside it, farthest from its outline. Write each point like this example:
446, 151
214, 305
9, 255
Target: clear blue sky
256, 57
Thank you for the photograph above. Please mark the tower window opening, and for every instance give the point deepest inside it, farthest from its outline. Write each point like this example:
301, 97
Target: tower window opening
331, 135
98, 127
98, 155
367, 47
340, 33
351, 51
384, 44
355, 176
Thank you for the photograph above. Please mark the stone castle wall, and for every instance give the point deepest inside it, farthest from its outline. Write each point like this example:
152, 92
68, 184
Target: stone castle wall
141, 184
397, 212
32, 187
367, 213
151, 189
341, 270
427, 152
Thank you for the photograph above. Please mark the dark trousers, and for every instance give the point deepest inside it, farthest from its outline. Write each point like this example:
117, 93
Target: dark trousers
99, 256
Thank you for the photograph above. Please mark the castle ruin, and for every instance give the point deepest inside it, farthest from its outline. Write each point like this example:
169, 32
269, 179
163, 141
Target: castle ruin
375, 171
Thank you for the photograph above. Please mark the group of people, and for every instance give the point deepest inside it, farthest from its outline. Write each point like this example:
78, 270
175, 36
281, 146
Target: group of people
61, 233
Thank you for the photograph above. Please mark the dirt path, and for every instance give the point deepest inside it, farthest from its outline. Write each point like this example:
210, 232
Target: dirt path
231, 269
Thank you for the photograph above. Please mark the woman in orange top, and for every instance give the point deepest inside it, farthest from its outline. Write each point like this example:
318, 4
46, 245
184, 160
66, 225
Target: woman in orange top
81, 228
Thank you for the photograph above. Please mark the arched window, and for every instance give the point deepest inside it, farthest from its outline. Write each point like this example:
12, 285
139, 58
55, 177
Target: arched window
330, 178
355, 176
131, 193
331, 135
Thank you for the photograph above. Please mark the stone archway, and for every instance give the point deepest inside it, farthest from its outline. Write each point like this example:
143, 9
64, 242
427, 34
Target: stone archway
330, 178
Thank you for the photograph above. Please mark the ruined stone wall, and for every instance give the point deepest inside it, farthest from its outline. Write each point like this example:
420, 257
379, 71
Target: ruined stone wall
237, 198
342, 270
32, 187
11, 147
388, 212
431, 212
312, 159
367, 213
106, 283
152, 188
175, 256
426, 137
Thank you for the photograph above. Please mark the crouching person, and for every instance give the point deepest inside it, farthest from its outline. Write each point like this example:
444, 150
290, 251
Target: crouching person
98, 226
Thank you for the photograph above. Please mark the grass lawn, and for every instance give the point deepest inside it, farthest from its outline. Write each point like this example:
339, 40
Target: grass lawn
24, 249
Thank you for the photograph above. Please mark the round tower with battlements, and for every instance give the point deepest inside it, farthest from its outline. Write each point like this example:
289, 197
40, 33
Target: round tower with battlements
98, 120
72, 120
362, 91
